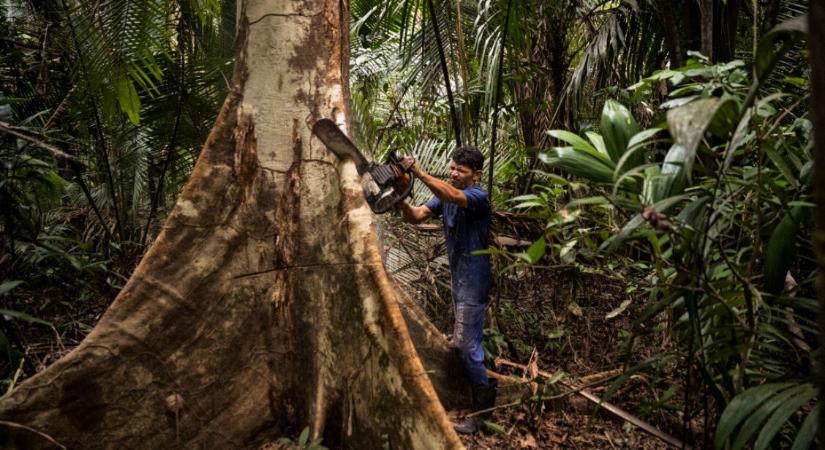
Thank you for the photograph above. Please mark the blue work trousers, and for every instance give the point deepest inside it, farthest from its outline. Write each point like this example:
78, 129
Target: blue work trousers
469, 300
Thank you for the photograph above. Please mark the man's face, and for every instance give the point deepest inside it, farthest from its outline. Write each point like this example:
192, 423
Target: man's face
462, 176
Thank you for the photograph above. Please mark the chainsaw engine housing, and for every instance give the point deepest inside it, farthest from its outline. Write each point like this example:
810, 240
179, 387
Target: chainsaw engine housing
386, 184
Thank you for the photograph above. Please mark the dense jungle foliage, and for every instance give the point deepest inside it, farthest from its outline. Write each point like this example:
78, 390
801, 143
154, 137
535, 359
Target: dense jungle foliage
666, 141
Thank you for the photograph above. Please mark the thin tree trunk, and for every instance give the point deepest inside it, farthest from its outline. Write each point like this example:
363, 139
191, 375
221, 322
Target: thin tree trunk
497, 100
445, 73
170, 148
770, 16
706, 26
98, 130
690, 37
263, 306
462, 64
666, 11
724, 30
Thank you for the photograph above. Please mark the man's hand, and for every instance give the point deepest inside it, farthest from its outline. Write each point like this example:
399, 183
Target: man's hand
445, 191
407, 161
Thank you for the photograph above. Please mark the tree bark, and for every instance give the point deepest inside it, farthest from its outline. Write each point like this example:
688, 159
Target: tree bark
263, 306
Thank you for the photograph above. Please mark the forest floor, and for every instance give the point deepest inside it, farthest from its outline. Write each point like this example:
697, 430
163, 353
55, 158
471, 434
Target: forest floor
570, 421
567, 321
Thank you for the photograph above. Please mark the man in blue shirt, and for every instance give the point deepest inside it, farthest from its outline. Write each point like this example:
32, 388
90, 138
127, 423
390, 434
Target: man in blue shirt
466, 214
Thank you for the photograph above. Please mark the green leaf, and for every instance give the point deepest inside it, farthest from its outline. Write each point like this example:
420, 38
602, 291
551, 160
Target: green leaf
304, 437
623, 177
618, 126
596, 200
128, 99
536, 250
655, 308
521, 198
726, 118
557, 376
807, 432
8, 286
555, 333
495, 427
801, 204
573, 139
637, 221
643, 136
781, 415
782, 164
780, 251
797, 81
785, 33
740, 137
805, 174
591, 166
25, 317
598, 141
756, 421
693, 213
742, 406
566, 253
633, 157
687, 125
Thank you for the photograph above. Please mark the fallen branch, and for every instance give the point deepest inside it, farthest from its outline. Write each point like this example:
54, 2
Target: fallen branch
552, 397
599, 377
581, 390
32, 430
35, 140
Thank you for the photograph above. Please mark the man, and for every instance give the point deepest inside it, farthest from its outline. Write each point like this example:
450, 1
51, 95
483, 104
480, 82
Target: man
465, 212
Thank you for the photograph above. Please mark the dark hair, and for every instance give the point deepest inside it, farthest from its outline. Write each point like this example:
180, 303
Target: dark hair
469, 156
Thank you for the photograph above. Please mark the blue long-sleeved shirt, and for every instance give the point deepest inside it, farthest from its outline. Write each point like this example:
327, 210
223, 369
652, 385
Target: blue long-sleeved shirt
467, 230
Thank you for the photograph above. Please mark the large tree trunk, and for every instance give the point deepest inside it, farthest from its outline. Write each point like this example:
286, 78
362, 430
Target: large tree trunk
263, 307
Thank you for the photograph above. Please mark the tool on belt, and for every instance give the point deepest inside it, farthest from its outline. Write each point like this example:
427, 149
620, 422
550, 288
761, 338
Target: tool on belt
385, 184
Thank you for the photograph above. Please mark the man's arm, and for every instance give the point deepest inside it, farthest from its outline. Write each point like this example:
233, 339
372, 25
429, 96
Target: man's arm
414, 214
441, 189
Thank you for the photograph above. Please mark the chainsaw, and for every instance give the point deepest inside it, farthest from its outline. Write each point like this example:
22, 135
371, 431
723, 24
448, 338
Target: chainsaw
384, 185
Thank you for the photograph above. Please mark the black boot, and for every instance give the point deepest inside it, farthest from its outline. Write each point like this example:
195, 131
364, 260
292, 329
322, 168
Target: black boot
484, 397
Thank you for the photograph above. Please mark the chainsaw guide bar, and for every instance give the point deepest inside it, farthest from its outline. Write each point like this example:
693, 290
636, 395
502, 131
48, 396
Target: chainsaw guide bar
338, 142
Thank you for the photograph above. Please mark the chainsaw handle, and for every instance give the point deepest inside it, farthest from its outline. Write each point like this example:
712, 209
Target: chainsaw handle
412, 181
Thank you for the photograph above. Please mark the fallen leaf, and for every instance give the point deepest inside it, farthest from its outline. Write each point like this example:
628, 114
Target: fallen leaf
528, 442
575, 309
618, 310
